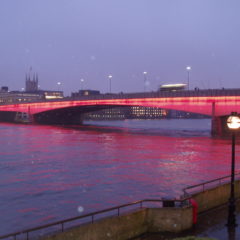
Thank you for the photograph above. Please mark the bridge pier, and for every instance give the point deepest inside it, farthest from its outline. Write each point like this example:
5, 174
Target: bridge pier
219, 126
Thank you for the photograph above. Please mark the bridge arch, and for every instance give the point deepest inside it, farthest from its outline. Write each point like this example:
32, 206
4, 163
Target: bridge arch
216, 106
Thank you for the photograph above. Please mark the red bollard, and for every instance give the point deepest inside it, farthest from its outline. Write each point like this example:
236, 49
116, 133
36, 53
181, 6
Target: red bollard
195, 210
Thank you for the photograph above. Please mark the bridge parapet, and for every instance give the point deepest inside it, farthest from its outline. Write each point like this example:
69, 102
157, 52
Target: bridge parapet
157, 94
163, 94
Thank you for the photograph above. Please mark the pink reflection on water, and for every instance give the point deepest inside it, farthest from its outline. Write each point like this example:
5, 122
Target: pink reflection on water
51, 171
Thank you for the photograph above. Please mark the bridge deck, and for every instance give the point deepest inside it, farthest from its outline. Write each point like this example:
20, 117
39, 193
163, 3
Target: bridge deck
217, 102
164, 94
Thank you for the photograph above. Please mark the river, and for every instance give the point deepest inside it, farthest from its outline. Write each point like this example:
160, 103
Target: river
48, 173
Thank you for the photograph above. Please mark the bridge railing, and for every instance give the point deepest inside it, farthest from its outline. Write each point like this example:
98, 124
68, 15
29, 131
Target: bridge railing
157, 94
184, 93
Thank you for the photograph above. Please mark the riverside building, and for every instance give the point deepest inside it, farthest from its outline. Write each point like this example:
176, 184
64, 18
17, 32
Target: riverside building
31, 93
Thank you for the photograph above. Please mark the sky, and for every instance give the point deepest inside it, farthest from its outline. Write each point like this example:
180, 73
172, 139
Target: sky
69, 40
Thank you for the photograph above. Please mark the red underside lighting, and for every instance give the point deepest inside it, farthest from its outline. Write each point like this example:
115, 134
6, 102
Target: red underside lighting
224, 105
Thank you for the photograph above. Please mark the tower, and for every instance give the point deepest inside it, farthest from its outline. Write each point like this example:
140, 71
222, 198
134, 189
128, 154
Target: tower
31, 85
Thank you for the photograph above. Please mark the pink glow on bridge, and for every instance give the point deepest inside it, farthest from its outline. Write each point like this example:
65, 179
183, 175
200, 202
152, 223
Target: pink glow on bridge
224, 105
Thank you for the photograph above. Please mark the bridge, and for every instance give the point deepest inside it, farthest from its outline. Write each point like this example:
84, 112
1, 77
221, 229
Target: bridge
217, 103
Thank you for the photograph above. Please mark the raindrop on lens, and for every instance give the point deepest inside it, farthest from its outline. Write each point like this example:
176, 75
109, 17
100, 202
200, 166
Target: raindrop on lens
80, 209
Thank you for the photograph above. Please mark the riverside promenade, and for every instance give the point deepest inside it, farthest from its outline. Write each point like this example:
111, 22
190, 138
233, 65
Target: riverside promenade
168, 219
211, 224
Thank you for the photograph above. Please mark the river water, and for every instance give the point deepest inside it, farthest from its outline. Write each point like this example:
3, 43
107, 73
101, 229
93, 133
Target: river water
49, 173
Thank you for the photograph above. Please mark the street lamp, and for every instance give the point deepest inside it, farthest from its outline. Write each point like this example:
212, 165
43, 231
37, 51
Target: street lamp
110, 83
188, 68
82, 80
233, 123
144, 80
59, 84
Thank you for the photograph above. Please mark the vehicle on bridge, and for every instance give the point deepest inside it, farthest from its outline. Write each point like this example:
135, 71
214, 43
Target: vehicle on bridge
173, 87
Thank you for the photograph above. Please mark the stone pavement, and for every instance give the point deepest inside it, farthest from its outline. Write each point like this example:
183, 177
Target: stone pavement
210, 224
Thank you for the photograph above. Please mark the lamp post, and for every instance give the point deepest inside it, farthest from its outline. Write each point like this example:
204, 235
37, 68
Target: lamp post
233, 123
82, 80
188, 68
110, 83
144, 81
59, 84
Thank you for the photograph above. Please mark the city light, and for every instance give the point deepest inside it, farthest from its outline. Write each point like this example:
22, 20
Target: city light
110, 83
82, 80
188, 68
144, 81
233, 123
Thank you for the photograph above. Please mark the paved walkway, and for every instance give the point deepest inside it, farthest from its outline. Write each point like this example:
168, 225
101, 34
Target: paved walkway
211, 224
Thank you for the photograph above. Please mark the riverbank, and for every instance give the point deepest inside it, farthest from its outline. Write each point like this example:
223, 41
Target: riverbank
211, 224
177, 219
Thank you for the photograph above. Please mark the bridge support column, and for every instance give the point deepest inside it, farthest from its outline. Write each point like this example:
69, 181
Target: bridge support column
216, 123
219, 127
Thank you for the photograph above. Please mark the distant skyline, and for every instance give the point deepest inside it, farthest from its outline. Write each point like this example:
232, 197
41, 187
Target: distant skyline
79, 43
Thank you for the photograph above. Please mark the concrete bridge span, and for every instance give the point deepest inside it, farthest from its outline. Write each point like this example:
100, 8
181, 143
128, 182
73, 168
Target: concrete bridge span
217, 103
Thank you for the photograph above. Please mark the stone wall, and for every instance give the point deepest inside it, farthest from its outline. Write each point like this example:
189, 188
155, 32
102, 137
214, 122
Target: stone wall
117, 228
131, 225
169, 219
214, 197
135, 223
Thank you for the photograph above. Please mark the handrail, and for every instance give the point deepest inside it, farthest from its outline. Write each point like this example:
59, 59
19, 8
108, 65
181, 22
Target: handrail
92, 215
203, 185
186, 197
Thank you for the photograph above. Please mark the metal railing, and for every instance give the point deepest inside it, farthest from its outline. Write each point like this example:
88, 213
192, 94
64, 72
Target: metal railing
207, 185
118, 210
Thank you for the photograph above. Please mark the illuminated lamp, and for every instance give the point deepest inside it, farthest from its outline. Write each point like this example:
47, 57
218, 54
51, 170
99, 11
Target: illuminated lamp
233, 123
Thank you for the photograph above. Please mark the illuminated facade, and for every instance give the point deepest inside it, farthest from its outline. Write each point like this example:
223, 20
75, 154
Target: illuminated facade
107, 114
148, 112
47, 94
31, 93
133, 112
18, 97
81, 93
138, 112
32, 88
173, 87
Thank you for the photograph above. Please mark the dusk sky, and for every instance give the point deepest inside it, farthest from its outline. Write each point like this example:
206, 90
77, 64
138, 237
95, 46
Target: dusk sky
68, 40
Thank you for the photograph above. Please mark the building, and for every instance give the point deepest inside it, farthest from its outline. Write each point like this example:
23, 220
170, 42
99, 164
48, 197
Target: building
17, 96
48, 94
31, 85
147, 112
127, 112
86, 92
31, 93
32, 88
172, 87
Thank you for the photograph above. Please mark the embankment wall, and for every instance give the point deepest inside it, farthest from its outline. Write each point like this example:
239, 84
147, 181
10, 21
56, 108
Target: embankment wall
131, 225
135, 223
214, 197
